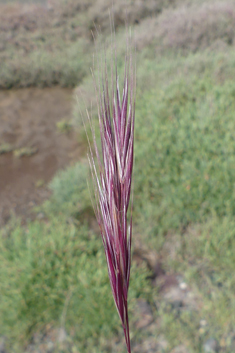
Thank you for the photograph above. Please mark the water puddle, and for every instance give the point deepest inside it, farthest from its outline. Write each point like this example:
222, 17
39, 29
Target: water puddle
32, 147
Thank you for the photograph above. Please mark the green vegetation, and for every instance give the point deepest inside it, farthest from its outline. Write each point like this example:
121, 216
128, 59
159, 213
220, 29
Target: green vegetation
185, 149
184, 185
184, 201
64, 126
69, 197
55, 272
40, 68
24, 151
5, 148
46, 47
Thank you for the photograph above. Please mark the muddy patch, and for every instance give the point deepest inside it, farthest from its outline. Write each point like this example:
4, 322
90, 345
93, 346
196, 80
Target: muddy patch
33, 146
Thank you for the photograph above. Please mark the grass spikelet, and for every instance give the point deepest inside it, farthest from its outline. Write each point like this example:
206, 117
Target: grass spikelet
112, 173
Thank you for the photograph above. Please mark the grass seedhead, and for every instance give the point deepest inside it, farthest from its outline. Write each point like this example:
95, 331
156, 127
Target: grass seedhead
112, 174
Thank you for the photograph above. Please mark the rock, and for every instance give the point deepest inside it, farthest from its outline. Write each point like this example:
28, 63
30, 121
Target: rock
211, 346
183, 286
203, 323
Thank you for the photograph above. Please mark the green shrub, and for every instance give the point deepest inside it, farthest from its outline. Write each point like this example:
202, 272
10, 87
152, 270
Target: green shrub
44, 265
185, 154
70, 192
44, 68
184, 165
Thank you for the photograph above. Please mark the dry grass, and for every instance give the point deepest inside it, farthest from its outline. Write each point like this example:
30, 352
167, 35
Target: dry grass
198, 27
21, 26
33, 37
29, 17
190, 27
133, 11
14, 17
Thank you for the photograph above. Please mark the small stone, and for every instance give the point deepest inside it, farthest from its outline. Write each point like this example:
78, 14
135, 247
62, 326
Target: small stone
203, 323
211, 346
183, 286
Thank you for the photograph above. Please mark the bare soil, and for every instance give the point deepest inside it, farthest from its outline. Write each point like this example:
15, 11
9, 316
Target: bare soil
28, 120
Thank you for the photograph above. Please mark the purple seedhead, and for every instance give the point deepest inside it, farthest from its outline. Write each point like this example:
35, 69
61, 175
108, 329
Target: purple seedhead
112, 176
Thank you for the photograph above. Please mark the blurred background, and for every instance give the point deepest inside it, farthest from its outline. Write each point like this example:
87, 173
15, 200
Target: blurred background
44, 2
54, 290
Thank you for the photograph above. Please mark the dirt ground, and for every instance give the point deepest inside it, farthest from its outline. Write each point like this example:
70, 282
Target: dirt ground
28, 119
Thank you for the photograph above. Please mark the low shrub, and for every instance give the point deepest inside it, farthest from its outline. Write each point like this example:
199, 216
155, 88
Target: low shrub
55, 274
43, 68
185, 153
189, 28
70, 194
198, 27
